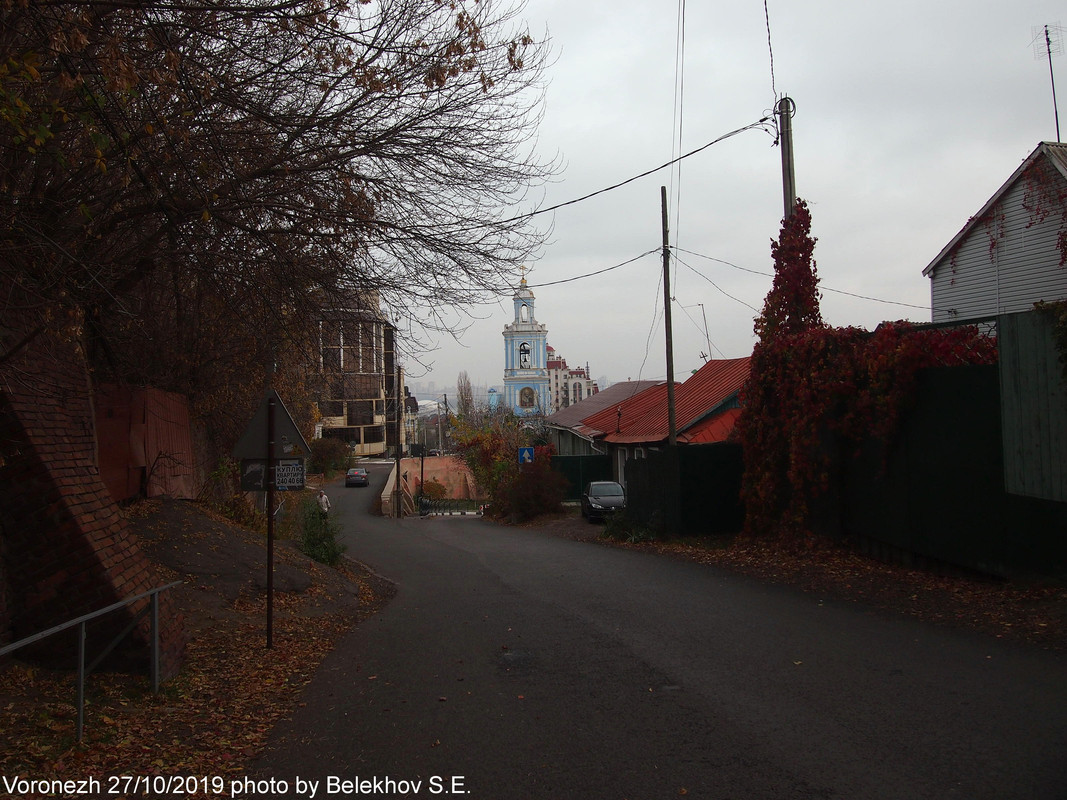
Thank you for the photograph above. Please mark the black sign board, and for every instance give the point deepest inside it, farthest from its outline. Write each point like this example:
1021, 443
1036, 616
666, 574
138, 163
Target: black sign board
289, 473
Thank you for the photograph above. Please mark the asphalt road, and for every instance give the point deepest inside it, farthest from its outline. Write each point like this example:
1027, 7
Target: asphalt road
521, 666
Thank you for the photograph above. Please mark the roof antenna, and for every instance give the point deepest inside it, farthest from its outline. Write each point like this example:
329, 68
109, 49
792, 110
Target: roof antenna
1048, 42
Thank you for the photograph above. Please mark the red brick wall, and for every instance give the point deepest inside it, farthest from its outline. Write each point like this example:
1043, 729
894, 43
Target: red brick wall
66, 551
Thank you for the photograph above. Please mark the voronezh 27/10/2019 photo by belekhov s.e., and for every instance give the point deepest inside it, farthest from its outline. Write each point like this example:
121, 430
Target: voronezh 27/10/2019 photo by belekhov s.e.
250, 788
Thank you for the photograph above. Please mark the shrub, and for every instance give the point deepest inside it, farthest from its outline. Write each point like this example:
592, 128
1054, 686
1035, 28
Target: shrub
533, 490
318, 539
621, 528
433, 489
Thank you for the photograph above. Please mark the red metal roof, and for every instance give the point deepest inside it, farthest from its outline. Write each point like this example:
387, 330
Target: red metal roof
716, 428
639, 417
574, 416
698, 402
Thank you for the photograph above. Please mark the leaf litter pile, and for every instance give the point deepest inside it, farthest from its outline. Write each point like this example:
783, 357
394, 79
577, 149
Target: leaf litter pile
214, 717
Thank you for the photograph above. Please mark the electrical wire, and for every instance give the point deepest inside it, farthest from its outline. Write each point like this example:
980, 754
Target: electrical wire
679, 116
821, 286
770, 49
592, 274
709, 280
658, 308
711, 344
760, 124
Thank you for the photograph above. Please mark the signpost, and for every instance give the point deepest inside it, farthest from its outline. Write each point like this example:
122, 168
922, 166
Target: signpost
272, 452
526, 455
288, 475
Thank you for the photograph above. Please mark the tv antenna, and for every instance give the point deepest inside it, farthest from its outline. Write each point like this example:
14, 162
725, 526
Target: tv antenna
1048, 42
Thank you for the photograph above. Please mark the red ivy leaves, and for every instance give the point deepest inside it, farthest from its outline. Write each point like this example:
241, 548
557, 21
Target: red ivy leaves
813, 388
792, 305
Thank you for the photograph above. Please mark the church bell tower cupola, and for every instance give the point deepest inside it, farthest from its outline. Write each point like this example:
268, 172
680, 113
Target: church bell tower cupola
526, 389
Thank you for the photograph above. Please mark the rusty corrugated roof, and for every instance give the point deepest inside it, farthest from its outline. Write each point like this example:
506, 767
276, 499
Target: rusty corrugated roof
715, 428
573, 416
637, 416
644, 417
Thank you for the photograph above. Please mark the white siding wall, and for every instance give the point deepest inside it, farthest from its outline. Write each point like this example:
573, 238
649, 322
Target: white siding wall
983, 279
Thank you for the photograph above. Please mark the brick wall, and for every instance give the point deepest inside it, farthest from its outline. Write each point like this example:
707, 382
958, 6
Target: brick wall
66, 551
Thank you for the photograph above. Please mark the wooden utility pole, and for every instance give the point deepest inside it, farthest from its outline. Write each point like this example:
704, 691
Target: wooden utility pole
785, 110
671, 432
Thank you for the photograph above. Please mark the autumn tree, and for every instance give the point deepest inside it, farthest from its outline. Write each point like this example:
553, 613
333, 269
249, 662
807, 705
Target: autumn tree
464, 396
489, 443
190, 186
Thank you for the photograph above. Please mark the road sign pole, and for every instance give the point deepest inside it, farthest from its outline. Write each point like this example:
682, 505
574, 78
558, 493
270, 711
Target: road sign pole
270, 522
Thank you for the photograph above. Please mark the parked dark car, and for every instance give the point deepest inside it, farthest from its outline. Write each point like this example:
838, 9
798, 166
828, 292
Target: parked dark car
357, 476
601, 499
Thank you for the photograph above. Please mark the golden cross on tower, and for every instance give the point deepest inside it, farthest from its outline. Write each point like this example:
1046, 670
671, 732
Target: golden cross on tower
523, 268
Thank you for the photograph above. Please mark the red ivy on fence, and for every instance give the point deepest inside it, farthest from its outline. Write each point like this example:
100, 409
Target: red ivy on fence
811, 384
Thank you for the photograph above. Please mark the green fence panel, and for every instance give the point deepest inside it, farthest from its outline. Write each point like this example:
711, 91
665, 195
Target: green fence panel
580, 470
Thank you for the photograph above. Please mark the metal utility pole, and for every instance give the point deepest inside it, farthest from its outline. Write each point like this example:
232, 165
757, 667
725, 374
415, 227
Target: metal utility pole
1053, 46
706, 334
785, 110
671, 426
398, 492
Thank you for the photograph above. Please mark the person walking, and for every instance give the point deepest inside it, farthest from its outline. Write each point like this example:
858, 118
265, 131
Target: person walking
324, 504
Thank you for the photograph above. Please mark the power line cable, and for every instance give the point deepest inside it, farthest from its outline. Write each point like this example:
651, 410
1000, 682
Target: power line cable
821, 286
679, 117
658, 308
707, 336
709, 280
760, 124
592, 274
770, 49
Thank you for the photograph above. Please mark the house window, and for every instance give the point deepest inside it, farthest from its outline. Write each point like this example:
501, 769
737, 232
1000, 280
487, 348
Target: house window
639, 452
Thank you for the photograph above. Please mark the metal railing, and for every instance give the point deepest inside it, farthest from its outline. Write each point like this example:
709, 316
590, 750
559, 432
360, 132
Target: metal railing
428, 507
80, 622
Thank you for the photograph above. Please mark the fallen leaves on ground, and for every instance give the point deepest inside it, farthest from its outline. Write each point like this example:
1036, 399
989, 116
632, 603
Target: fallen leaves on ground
210, 720
1035, 612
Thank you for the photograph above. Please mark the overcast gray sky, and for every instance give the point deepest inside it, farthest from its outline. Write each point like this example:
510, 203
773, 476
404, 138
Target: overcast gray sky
909, 116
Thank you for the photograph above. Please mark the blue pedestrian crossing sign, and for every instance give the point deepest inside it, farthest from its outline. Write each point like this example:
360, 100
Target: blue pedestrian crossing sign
526, 455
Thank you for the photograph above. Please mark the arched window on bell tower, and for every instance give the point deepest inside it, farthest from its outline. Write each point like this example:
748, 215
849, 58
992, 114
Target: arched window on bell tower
524, 313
